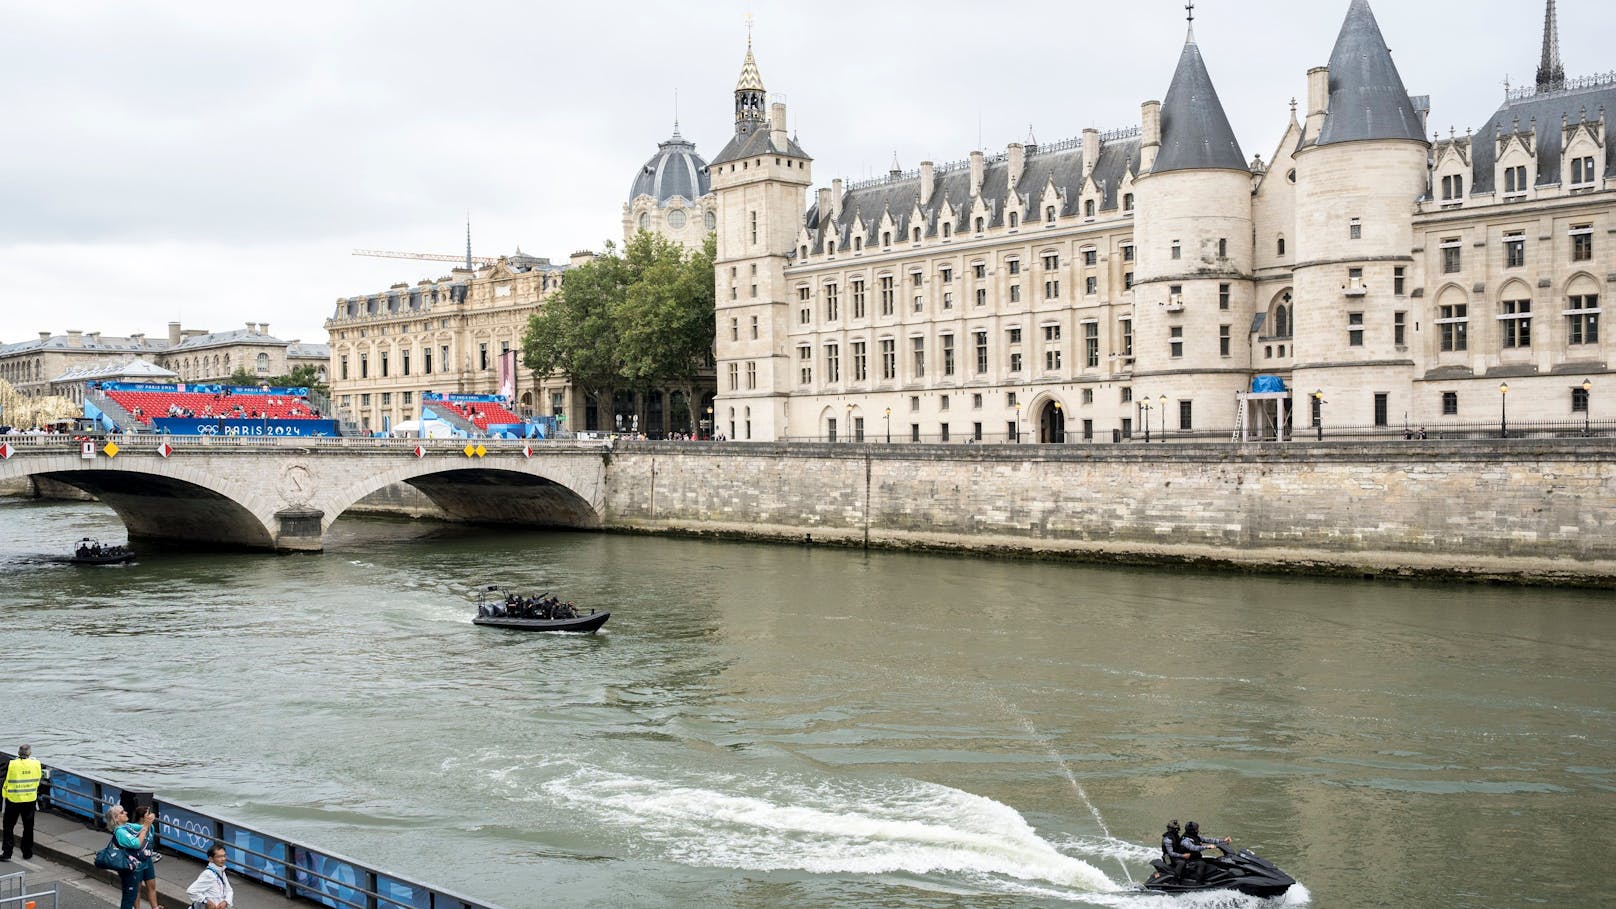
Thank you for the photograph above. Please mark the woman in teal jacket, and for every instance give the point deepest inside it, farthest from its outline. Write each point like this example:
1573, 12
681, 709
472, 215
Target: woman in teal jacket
131, 838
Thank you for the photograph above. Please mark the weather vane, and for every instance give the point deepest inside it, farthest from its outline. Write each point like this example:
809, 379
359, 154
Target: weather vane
1190, 6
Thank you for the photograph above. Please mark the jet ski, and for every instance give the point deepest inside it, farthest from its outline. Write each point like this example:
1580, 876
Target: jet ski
1241, 870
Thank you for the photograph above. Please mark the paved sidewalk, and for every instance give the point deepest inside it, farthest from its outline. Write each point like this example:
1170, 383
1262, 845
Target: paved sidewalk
65, 848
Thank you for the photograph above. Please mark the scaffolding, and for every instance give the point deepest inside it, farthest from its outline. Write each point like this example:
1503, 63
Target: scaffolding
1263, 416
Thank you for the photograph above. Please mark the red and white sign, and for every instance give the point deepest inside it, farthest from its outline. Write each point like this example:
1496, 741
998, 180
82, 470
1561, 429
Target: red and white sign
165, 449
5, 450
527, 451
420, 452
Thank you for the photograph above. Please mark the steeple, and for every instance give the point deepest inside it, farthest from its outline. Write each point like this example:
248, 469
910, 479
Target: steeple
1367, 98
1195, 132
1550, 73
750, 96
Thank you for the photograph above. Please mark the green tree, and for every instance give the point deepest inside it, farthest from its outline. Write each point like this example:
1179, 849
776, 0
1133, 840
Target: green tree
301, 376
573, 332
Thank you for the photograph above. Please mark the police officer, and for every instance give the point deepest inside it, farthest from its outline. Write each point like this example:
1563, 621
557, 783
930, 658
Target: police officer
1173, 854
21, 790
1195, 846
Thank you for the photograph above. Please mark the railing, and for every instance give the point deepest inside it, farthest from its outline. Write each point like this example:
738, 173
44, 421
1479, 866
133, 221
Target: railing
148, 442
1597, 80
1076, 142
295, 870
1299, 433
14, 893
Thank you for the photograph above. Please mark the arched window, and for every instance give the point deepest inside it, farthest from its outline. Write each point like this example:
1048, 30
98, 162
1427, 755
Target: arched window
263, 364
1049, 214
886, 238
948, 229
1281, 246
917, 235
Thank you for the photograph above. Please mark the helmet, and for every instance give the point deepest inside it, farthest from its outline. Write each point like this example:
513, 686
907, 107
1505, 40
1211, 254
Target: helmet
1192, 828
1172, 824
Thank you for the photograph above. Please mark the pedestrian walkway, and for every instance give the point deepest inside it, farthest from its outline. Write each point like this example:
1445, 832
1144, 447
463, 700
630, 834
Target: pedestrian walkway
64, 851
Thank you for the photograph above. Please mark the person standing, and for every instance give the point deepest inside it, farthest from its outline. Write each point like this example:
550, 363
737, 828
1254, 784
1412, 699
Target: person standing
21, 795
127, 836
212, 888
146, 870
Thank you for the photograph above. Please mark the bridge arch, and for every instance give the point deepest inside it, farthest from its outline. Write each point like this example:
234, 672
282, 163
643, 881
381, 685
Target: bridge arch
480, 493
152, 506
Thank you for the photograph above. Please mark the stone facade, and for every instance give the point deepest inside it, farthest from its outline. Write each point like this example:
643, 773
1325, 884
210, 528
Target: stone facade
1082, 290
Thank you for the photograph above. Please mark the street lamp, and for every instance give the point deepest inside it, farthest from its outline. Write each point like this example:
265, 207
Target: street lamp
1057, 429
1587, 403
1145, 406
849, 423
889, 425
1318, 412
709, 423
1503, 410
1163, 402
1018, 422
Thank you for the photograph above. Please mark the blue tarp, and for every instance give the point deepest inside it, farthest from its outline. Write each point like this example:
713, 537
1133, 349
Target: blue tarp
1267, 384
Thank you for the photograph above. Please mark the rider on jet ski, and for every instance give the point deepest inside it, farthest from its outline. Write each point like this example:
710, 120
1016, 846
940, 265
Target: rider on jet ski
1191, 846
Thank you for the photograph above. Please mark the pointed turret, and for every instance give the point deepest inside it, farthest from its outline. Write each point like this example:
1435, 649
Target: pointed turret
1367, 98
750, 96
1195, 132
1550, 73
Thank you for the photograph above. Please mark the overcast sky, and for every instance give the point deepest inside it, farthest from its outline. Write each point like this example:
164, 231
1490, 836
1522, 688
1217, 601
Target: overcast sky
215, 163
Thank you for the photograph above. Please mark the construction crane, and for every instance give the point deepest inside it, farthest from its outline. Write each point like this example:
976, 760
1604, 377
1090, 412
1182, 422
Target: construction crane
430, 257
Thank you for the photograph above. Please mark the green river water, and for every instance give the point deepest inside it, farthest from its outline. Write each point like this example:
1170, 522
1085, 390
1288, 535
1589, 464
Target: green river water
786, 726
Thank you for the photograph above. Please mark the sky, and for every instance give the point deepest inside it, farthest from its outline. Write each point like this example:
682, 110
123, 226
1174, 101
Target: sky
216, 163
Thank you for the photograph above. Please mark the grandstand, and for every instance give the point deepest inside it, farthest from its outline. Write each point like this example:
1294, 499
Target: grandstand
151, 402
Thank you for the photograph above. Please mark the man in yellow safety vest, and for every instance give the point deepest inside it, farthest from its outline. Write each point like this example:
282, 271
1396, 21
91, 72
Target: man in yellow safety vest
21, 791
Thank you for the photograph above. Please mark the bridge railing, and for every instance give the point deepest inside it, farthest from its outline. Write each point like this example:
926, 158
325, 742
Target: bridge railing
146, 442
296, 871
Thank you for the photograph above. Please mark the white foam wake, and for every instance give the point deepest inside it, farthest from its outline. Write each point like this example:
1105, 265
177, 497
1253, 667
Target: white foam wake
841, 826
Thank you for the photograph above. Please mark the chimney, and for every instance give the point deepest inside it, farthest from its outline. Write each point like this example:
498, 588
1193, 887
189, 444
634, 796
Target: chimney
976, 174
139, 337
836, 198
263, 328
93, 336
75, 338
1318, 99
1018, 159
252, 328
1091, 151
1149, 134
825, 215
925, 182
44, 336
173, 333
777, 126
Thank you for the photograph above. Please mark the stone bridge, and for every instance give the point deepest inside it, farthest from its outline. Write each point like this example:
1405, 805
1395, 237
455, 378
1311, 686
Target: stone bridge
283, 493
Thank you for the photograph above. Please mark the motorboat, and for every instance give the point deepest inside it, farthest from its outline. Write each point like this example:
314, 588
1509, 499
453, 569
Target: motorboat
540, 613
91, 552
583, 624
1235, 869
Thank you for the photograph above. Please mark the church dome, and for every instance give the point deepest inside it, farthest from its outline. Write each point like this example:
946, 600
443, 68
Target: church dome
675, 170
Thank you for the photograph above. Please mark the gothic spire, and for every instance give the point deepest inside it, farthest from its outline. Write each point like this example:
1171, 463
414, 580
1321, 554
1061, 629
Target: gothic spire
1550, 73
750, 96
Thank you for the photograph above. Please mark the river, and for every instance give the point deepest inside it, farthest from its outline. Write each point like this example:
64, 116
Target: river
790, 726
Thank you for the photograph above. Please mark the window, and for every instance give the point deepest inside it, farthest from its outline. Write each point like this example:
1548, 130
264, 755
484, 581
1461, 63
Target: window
1013, 266
1127, 252
1381, 409
889, 358
978, 226
979, 270
942, 402
981, 339
754, 227
1223, 248
1051, 261
948, 355
404, 362
1452, 187
1450, 403
1175, 342
947, 274
886, 238
1015, 220
1177, 252
919, 345
1091, 257
1127, 280
734, 376
1127, 201
1400, 329
1091, 285
1453, 324
1515, 322
981, 296
914, 432
861, 361
1088, 208
916, 278
1514, 249
805, 365
943, 435
1281, 246
1354, 329
343, 367
1015, 362
1014, 335
754, 328
426, 361
444, 350
1582, 243
1579, 399
917, 235
833, 363
948, 230
1450, 256
858, 298
948, 299
832, 307
1088, 396
1091, 345
1355, 229
1224, 291
830, 429
1127, 337
1049, 214
1399, 280
1052, 289
1515, 179
751, 374
364, 366
1223, 340
734, 329
1186, 413
1582, 171
920, 303
1582, 312
1015, 293
1052, 348
887, 295
914, 403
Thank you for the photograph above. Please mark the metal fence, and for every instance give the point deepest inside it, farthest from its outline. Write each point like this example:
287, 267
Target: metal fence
297, 871
14, 893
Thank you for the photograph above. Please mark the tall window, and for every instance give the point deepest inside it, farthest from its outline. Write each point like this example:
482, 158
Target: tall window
1514, 249
1400, 329
404, 362
805, 310
1127, 337
1582, 316
861, 361
1052, 289
1052, 349
1579, 399
833, 363
751, 374
364, 366
1355, 229
1091, 345
1223, 340
1453, 324
981, 352
887, 295
832, 304
1175, 341
1354, 329
1582, 243
919, 357
889, 358
1091, 257
1381, 409
754, 227
1186, 414
1177, 250
426, 361
1452, 188
1582, 171
1224, 293
384, 364
754, 328
1515, 322
1399, 280
858, 298
343, 368
734, 376
1450, 256
981, 296
1450, 403
948, 355
805, 365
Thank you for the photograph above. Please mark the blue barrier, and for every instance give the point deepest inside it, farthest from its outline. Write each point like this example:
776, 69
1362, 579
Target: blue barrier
295, 870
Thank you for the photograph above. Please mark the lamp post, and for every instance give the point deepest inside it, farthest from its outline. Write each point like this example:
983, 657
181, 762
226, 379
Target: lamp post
1145, 406
1587, 403
709, 423
1057, 433
1503, 410
850, 424
1318, 412
889, 425
1163, 402
1018, 422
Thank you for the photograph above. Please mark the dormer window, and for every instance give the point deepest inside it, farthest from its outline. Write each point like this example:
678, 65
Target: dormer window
917, 235
1582, 171
886, 238
1515, 179
1015, 220
948, 230
1127, 202
1452, 188
978, 225
1088, 208
830, 248
858, 244
1049, 214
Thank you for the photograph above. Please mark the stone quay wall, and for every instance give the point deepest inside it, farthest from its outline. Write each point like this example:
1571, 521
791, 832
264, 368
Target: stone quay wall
1518, 511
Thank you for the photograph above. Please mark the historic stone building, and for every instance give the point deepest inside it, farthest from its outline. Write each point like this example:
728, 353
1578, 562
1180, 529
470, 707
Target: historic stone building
671, 196
1139, 280
192, 355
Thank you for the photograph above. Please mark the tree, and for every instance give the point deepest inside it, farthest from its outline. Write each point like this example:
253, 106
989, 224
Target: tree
301, 376
573, 332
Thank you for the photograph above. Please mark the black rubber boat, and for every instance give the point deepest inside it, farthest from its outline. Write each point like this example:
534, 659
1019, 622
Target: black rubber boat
1241, 870
583, 624
89, 552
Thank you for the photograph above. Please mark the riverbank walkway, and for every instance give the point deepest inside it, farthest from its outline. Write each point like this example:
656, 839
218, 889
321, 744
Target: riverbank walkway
64, 855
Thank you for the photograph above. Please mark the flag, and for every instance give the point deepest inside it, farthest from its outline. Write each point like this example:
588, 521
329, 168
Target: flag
507, 375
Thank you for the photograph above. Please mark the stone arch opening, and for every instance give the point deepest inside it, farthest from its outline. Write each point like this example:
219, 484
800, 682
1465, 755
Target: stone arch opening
504, 498
155, 507
1051, 423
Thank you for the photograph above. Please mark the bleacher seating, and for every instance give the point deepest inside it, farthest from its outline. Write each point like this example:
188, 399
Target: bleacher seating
156, 404
481, 414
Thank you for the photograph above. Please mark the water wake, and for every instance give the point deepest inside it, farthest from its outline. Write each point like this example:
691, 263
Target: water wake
840, 826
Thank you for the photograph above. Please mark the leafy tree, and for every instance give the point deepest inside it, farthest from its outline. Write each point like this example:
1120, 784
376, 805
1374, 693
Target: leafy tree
573, 332
304, 375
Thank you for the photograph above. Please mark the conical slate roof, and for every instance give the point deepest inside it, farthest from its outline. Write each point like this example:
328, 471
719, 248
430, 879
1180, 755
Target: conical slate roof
1195, 132
1367, 98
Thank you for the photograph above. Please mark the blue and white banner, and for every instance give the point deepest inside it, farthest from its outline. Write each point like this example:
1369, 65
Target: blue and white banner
205, 426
